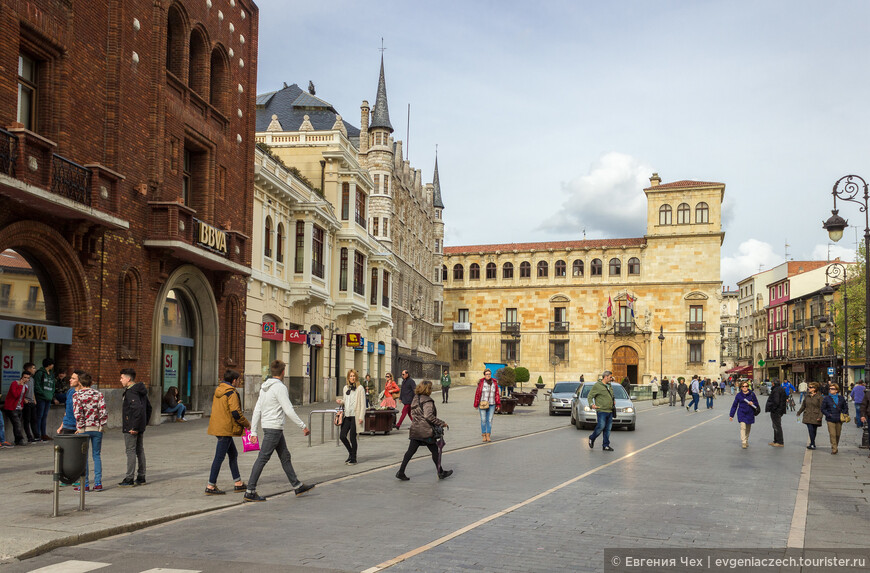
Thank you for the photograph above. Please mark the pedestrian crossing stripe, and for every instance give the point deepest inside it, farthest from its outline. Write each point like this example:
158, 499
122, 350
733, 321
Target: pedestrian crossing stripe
74, 566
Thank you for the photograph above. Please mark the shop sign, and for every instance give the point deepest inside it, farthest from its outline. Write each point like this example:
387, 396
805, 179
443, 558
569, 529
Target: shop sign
170, 368
272, 332
354, 340
371, 347
296, 336
382, 349
30, 332
315, 339
12, 365
362, 345
211, 237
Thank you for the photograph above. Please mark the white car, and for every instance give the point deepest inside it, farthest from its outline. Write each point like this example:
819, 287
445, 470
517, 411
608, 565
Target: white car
583, 416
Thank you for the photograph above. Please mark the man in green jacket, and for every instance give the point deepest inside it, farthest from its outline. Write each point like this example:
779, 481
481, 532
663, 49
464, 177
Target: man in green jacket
43, 387
600, 399
445, 386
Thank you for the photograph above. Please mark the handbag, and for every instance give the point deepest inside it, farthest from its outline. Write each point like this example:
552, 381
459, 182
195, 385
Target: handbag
247, 444
338, 418
483, 405
844, 418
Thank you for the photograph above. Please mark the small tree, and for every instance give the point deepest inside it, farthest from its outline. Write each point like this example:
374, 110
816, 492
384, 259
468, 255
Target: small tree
540, 380
522, 375
506, 377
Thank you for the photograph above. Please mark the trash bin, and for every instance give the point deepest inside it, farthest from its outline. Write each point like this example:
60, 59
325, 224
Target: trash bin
73, 456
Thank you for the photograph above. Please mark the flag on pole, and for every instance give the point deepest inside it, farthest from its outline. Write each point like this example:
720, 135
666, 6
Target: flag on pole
609, 307
630, 304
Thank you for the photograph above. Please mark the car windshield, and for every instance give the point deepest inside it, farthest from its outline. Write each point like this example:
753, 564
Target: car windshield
618, 391
565, 387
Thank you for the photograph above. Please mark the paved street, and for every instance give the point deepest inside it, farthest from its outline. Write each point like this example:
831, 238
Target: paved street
537, 502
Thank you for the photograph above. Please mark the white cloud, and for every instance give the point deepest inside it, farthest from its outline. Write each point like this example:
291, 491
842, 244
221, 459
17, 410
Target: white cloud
752, 255
831, 251
607, 201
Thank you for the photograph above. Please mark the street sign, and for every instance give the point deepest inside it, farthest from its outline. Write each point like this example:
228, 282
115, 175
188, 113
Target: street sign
830, 371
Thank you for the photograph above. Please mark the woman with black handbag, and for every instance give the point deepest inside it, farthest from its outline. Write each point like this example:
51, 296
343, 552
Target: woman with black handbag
426, 430
353, 421
746, 406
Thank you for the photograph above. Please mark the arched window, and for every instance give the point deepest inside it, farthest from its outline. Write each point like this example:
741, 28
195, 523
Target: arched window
474, 271
128, 316
634, 266
175, 37
197, 63
596, 268
683, 214
458, 272
219, 87
525, 270
615, 267
665, 215
542, 269
561, 269
267, 238
577, 268
702, 213
279, 243
507, 271
490, 270
444, 273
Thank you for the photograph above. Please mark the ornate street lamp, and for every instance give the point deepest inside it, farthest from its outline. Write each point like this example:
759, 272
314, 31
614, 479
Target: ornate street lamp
661, 349
854, 189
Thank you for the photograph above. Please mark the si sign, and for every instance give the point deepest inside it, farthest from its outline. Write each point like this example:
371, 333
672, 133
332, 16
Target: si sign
212, 238
31, 332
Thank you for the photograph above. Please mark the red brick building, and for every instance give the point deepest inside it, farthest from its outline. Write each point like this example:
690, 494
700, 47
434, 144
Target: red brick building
126, 181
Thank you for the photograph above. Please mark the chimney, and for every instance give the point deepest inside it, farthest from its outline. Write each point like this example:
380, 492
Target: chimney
364, 127
655, 180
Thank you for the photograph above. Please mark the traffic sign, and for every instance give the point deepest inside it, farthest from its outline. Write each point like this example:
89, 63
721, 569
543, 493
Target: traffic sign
830, 371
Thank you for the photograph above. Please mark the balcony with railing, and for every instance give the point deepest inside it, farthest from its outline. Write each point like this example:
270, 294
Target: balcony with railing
510, 327
559, 327
696, 326
70, 180
797, 324
8, 152
623, 328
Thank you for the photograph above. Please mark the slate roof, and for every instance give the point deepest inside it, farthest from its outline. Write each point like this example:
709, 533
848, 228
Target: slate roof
436, 196
381, 112
555, 245
292, 104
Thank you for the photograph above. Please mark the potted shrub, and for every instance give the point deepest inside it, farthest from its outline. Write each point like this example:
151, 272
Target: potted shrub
507, 379
522, 375
540, 383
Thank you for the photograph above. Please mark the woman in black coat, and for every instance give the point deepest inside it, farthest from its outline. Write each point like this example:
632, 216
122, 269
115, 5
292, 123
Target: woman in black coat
424, 417
833, 406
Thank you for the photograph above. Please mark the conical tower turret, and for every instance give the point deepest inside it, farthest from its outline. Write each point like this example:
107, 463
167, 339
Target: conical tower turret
381, 113
436, 184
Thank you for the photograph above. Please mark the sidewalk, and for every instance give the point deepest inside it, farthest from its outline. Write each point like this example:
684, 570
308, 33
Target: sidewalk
179, 456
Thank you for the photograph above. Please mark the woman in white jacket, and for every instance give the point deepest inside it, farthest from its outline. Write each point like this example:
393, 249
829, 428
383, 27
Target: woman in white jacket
354, 401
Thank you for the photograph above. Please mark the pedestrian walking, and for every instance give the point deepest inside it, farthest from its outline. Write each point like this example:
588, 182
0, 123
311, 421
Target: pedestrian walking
695, 390
135, 413
682, 390
709, 393
369, 387
391, 392
721, 387
665, 385
273, 407
14, 406
487, 398
445, 385
406, 395
811, 407
802, 389
89, 410
776, 407
43, 385
672, 394
858, 397
29, 411
68, 424
423, 432
836, 411
354, 420
172, 404
746, 407
600, 399
654, 387
227, 421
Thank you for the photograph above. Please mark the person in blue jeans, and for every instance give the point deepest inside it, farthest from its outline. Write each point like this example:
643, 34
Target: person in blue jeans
858, 396
486, 398
172, 405
600, 399
695, 390
89, 409
3, 442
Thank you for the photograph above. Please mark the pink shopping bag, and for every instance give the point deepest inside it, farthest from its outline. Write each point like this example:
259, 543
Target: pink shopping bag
247, 444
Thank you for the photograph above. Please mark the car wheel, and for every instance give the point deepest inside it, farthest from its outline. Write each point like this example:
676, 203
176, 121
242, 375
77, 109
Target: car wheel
631, 427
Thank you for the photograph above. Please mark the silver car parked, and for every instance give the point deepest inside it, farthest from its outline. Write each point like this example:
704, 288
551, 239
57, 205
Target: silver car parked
583, 416
562, 396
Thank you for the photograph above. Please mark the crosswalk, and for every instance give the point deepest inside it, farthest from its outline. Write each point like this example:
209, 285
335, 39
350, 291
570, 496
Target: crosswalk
75, 566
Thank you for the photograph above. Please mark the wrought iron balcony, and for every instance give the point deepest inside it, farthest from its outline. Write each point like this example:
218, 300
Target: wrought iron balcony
510, 327
696, 326
8, 152
797, 324
559, 327
623, 328
70, 180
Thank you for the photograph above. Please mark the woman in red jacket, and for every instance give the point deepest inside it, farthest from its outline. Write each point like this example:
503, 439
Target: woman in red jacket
486, 398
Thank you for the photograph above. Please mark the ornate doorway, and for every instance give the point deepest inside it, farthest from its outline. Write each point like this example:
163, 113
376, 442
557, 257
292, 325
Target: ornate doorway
625, 364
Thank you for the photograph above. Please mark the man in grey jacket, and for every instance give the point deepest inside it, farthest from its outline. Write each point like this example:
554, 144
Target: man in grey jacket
272, 407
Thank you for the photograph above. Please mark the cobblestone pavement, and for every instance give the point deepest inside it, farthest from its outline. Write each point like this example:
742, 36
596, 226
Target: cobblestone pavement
536, 500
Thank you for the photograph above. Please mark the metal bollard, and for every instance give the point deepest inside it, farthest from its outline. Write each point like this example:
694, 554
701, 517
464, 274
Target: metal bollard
56, 477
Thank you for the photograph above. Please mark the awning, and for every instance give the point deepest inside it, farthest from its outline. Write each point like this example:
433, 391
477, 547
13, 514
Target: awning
740, 370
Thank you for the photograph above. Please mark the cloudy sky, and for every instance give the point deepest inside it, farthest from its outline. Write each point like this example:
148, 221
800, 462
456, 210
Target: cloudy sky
550, 116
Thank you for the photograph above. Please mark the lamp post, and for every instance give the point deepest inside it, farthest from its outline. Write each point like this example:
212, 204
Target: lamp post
837, 272
661, 350
853, 188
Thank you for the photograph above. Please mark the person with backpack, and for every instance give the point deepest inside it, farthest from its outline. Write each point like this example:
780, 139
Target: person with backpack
135, 413
227, 420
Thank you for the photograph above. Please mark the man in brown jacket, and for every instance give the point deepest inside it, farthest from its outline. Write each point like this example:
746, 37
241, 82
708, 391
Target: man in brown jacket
227, 420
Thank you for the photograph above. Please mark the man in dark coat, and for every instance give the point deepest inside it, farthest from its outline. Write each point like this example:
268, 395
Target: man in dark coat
406, 395
135, 412
776, 407
665, 385
682, 390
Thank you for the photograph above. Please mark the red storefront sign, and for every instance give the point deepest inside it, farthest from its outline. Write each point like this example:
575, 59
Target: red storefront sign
272, 332
296, 336
354, 340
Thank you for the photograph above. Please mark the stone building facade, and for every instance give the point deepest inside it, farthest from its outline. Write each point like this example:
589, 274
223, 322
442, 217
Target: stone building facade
562, 309
729, 329
126, 171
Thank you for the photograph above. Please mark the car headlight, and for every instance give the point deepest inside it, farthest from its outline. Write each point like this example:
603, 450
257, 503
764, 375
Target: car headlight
587, 409
628, 410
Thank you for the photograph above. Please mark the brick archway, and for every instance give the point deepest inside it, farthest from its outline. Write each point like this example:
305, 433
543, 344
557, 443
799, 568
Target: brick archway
62, 263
